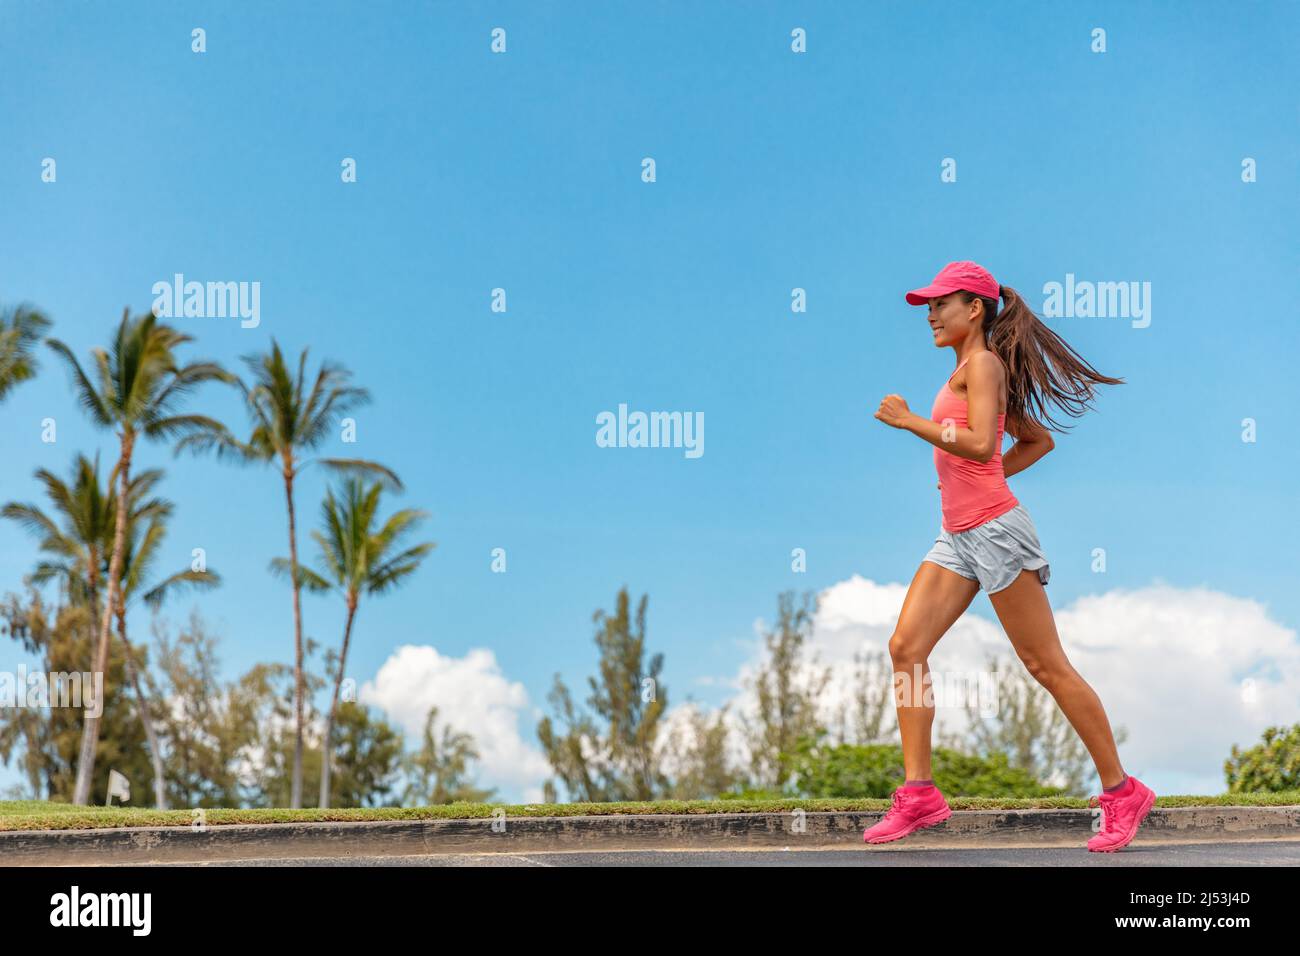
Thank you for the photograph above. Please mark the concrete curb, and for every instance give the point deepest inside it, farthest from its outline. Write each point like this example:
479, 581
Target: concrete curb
965, 828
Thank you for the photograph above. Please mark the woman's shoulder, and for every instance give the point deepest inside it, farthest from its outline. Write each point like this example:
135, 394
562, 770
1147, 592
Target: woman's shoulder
988, 361
989, 358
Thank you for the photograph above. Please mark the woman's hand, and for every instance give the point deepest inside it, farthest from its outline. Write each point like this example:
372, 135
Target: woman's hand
894, 411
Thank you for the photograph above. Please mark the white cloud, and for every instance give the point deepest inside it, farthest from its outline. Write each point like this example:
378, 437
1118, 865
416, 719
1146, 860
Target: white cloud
473, 696
1172, 665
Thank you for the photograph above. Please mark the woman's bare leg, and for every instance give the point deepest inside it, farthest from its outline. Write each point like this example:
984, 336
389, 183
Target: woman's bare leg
935, 599
1026, 616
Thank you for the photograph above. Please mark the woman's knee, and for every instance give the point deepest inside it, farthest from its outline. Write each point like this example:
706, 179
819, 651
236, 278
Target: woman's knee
905, 648
1049, 673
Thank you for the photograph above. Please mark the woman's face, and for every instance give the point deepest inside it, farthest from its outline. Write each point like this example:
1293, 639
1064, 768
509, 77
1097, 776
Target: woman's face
951, 319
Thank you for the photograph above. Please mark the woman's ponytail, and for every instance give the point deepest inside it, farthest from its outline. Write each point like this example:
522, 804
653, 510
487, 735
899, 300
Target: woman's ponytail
1041, 366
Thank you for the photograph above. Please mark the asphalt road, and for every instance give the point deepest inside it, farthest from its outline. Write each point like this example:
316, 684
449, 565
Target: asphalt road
1234, 853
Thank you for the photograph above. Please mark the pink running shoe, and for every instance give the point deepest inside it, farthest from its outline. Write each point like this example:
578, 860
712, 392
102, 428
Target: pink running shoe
1121, 816
913, 810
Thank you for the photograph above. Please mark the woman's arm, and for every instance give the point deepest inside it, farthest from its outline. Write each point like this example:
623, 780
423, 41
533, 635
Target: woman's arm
1032, 443
978, 441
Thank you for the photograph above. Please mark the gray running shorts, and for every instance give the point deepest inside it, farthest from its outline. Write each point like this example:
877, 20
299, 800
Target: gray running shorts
993, 553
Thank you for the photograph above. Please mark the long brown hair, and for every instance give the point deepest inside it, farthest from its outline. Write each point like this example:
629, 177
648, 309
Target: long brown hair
1041, 366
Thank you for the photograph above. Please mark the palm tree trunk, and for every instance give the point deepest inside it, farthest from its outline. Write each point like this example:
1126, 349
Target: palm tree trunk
90, 728
155, 754
334, 704
295, 796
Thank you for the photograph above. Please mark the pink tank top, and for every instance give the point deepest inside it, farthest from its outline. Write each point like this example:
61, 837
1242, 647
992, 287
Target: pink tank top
971, 492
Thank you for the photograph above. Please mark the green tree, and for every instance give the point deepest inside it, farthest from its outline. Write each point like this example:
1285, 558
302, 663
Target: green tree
358, 556
869, 716
438, 771
59, 637
366, 753
146, 528
289, 416
629, 699
699, 750
229, 744
787, 693
1270, 766
850, 770
138, 384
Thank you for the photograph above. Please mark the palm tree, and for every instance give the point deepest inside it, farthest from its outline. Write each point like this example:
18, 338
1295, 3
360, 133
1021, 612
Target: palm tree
21, 328
288, 417
74, 544
357, 559
77, 546
138, 385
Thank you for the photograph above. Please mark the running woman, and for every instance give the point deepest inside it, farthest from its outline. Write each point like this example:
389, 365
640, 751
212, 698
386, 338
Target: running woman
1009, 364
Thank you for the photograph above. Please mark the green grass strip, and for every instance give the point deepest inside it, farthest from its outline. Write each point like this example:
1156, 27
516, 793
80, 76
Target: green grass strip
42, 815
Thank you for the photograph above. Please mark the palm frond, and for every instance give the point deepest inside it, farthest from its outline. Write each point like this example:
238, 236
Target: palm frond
21, 326
307, 578
32, 518
186, 379
180, 425
219, 441
156, 595
87, 395
383, 577
361, 468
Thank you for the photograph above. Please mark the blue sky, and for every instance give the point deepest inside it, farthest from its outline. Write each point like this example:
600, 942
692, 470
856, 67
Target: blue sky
774, 170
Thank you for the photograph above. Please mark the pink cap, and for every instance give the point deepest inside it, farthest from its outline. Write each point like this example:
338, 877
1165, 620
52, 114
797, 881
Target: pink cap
970, 276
